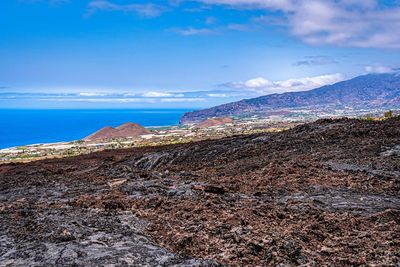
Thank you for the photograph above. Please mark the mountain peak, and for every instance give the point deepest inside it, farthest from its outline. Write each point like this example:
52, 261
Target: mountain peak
128, 125
125, 130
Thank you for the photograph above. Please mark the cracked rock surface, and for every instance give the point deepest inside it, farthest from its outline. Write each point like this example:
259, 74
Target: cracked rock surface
325, 193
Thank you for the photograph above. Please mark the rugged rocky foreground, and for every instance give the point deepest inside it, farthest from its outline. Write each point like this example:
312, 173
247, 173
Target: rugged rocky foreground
325, 193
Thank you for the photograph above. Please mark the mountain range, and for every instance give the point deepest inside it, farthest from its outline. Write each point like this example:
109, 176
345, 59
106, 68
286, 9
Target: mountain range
367, 91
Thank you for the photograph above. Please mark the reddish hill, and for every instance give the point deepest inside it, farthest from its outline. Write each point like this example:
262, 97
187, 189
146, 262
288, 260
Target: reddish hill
104, 133
131, 129
125, 130
214, 122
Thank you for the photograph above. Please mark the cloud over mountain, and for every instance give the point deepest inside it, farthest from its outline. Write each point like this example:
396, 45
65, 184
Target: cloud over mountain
378, 69
262, 85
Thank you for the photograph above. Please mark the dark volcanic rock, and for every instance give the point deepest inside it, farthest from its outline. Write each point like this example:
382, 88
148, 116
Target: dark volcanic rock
325, 193
68, 236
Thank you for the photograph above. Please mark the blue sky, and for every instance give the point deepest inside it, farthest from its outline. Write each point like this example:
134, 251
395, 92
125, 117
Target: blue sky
191, 54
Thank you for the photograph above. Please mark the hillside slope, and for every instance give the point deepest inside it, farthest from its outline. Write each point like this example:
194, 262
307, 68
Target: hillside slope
125, 130
373, 90
214, 122
320, 194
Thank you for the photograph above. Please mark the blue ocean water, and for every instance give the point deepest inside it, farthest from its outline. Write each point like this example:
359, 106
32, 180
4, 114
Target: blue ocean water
21, 127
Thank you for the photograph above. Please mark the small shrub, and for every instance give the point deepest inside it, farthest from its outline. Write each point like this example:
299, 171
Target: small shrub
388, 114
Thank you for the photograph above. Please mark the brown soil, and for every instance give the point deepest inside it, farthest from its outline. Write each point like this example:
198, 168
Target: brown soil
325, 193
214, 122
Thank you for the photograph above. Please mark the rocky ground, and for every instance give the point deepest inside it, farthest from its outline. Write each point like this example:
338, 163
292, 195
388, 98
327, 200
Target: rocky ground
325, 193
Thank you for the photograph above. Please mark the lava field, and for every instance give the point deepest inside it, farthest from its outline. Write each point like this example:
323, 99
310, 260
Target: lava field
320, 194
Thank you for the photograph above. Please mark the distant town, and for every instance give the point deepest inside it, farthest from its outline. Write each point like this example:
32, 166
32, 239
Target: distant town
213, 128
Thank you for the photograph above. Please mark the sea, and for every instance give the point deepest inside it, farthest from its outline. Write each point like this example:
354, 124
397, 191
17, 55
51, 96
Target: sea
20, 127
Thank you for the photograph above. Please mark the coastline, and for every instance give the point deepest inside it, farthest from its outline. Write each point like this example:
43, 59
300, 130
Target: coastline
31, 126
163, 135
177, 134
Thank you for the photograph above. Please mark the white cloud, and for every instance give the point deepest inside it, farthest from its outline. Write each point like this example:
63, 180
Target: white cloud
217, 95
378, 69
57, 2
258, 83
286, 5
239, 27
354, 23
156, 94
52, 2
92, 94
126, 100
193, 31
210, 20
315, 60
161, 94
148, 10
264, 86
101, 100
187, 99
